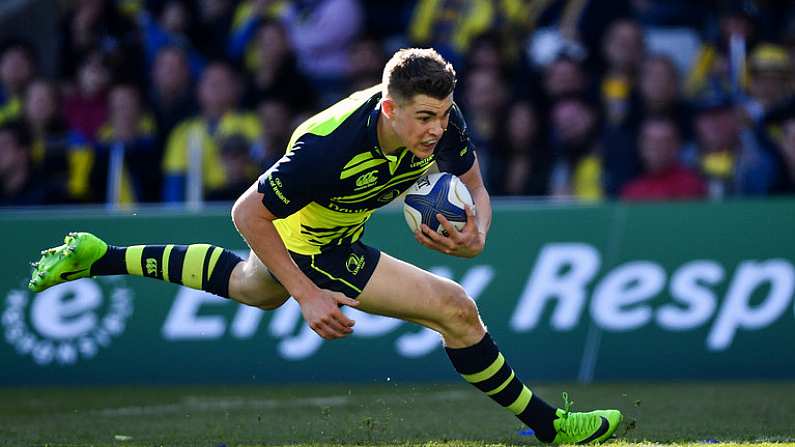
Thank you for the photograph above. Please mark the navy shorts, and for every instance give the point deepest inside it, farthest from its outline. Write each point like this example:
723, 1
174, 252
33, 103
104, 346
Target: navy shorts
345, 268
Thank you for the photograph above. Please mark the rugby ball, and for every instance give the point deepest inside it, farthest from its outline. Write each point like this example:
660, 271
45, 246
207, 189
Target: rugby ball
438, 193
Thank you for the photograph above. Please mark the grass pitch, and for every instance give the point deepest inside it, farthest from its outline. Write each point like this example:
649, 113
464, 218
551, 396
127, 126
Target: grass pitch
384, 415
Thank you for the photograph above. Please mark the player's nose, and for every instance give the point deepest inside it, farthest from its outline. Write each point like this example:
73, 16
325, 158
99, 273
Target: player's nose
436, 131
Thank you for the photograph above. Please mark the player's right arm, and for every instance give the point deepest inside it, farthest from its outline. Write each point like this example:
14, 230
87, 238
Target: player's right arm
277, 194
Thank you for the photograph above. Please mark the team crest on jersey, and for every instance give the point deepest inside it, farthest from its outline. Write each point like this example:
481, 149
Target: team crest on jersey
367, 179
355, 263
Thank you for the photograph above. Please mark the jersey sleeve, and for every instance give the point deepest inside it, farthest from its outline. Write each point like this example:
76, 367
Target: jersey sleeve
300, 177
457, 154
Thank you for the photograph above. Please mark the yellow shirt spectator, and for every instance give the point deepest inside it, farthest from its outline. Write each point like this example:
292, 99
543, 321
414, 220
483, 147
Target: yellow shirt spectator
199, 134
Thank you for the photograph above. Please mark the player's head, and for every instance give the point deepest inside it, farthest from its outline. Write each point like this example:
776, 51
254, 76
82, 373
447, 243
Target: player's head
418, 96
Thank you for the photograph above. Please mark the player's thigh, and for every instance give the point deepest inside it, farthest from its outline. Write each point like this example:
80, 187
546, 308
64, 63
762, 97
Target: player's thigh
253, 284
401, 290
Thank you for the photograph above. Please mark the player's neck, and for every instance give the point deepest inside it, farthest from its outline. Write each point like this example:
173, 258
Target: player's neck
388, 140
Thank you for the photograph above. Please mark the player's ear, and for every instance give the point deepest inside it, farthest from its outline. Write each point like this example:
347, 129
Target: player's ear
388, 106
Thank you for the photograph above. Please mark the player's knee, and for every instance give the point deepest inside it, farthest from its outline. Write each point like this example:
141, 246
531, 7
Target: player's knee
249, 286
460, 311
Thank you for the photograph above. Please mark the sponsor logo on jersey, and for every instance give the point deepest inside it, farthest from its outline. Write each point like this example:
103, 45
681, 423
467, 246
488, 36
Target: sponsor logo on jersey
422, 162
367, 179
276, 185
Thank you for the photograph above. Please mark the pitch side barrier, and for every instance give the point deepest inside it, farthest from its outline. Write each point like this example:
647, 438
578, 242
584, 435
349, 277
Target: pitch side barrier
590, 293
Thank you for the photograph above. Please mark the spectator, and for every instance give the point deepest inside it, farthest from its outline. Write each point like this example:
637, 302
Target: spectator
192, 161
487, 51
665, 177
87, 107
729, 155
449, 27
590, 161
771, 79
786, 149
660, 94
215, 21
126, 152
248, 18
564, 76
520, 163
171, 29
780, 123
275, 117
623, 50
577, 169
17, 69
62, 157
274, 71
576, 27
367, 61
484, 100
96, 25
171, 95
736, 22
240, 169
18, 186
322, 32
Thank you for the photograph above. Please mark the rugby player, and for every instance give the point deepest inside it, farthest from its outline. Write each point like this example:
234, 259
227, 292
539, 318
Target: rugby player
304, 219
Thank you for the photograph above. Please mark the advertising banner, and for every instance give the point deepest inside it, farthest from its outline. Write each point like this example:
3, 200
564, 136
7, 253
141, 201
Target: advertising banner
589, 293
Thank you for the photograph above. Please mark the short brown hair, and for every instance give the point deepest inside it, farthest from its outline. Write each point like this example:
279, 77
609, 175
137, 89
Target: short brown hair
418, 71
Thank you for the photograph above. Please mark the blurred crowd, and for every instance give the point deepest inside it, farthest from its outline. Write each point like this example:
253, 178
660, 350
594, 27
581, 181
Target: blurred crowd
189, 101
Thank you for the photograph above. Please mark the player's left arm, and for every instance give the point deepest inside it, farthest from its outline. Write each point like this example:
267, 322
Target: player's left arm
471, 240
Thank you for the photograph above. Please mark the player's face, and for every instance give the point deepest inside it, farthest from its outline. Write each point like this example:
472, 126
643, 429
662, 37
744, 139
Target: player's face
421, 122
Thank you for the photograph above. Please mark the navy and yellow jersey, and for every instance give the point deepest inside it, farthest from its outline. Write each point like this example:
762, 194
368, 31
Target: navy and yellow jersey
334, 174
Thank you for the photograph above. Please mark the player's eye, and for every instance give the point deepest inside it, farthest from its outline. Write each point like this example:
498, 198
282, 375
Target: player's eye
424, 119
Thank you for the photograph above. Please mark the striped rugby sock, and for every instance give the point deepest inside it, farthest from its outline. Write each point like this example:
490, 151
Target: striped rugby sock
483, 366
198, 266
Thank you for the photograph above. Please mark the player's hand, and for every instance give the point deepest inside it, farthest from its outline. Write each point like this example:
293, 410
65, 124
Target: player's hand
322, 313
467, 243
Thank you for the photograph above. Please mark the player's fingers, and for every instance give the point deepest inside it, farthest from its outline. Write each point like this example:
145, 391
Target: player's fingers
452, 232
423, 239
334, 327
342, 299
440, 240
343, 319
470, 216
321, 330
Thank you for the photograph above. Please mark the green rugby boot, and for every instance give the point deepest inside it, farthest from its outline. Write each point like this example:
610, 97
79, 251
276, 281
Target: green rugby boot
67, 262
593, 427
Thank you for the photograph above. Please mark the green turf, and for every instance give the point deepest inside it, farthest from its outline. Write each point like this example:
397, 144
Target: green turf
390, 414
